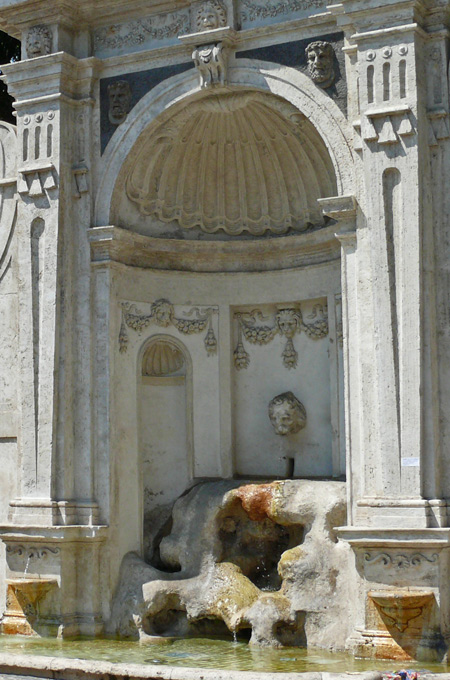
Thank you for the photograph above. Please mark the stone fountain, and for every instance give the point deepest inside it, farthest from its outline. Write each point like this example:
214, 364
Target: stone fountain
256, 558
224, 326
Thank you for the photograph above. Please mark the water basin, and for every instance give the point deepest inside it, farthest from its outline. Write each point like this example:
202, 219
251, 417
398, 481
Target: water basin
203, 653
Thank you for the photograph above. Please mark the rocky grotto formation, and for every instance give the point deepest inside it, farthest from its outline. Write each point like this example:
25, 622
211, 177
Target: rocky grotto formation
257, 559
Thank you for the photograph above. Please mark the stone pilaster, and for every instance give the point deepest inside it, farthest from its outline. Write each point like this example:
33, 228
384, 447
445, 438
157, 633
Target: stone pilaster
46, 539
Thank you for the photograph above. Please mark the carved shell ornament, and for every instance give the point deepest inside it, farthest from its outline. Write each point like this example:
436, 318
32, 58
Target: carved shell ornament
162, 358
237, 162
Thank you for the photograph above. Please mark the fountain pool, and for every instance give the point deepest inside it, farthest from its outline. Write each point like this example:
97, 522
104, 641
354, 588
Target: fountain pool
199, 653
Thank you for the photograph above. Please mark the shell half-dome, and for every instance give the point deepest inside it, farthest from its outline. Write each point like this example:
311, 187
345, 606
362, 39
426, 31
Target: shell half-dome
162, 358
237, 162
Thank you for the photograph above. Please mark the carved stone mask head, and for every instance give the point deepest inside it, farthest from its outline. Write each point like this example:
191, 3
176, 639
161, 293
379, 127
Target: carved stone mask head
287, 414
211, 15
119, 101
320, 56
39, 41
287, 322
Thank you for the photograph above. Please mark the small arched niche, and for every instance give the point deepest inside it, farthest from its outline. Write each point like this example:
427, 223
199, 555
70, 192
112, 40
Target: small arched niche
164, 430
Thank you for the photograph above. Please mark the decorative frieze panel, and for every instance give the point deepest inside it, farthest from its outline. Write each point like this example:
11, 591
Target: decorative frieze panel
194, 320
288, 321
140, 34
400, 560
31, 552
257, 12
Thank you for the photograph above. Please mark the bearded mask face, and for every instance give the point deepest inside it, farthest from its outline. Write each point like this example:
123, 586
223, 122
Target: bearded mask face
320, 56
119, 101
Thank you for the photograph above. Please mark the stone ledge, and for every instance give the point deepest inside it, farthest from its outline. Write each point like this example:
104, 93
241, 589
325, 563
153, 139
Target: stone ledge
398, 537
53, 667
17, 666
73, 533
113, 244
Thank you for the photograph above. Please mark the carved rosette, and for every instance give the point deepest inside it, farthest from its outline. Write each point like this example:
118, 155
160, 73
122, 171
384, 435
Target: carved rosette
162, 314
288, 322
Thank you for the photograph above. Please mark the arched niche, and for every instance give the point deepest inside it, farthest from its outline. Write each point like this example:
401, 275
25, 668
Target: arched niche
165, 428
171, 97
239, 163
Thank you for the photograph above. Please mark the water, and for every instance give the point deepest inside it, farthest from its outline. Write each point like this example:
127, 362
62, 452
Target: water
204, 653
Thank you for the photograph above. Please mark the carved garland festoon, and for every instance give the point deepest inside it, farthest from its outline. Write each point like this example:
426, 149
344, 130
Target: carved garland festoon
261, 10
162, 313
288, 322
136, 32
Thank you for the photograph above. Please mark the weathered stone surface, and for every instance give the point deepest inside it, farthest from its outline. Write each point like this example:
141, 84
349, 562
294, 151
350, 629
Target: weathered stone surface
260, 556
170, 263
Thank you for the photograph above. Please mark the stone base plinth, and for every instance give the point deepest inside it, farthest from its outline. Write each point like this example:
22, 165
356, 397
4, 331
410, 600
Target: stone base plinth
45, 594
23, 597
403, 592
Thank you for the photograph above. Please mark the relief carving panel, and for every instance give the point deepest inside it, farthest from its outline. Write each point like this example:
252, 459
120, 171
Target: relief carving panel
288, 322
162, 313
273, 11
140, 33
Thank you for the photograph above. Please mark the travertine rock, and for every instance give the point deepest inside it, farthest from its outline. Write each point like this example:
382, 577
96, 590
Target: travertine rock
258, 556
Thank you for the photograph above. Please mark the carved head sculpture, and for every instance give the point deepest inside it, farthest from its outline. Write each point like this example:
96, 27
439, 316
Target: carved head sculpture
119, 101
162, 312
39, 41
287, 414
288, 321
210, 15
320, 56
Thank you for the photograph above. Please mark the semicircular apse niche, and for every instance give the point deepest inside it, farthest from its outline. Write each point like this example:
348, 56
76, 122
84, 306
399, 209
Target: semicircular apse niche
237, 162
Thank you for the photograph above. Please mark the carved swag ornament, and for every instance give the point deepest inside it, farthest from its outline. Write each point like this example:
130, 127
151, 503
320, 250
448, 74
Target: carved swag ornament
162, 313
288, 322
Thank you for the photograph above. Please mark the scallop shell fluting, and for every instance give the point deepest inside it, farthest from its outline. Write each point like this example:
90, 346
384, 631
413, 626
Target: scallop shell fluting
234, 163
161, 359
